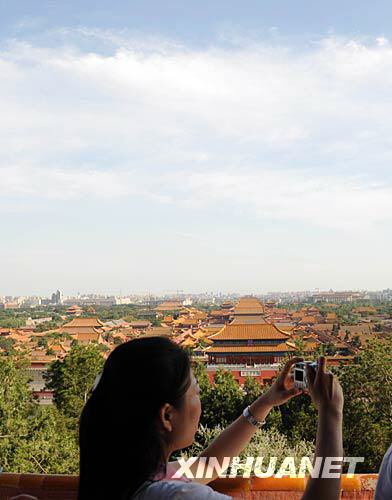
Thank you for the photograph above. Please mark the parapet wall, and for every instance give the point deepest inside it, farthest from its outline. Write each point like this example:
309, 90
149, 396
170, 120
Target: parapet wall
62, 487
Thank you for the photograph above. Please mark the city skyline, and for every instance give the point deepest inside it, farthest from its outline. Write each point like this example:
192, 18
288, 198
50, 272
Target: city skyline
193, 293
203, 147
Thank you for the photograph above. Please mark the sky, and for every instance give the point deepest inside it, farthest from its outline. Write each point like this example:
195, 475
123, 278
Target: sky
199, 146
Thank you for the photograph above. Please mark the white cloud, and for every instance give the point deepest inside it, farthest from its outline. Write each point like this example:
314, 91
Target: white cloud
350, 204
287, 134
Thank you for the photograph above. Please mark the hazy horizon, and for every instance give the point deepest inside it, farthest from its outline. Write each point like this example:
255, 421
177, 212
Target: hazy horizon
174, 293
198, 147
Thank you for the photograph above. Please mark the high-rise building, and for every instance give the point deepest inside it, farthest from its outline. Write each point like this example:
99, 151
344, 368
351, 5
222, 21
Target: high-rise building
57, 297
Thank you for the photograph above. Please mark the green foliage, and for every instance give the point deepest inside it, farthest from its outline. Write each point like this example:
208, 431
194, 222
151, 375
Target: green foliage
71, 379
367, 386
42, 342
11, 319
129, 312
7, 345
252, 390
223, 400
16, 406
265, 443
50, 445
57, 336
200, 372
48, 325
298, 419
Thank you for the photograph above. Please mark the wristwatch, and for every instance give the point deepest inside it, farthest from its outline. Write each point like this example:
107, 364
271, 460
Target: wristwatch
251, 419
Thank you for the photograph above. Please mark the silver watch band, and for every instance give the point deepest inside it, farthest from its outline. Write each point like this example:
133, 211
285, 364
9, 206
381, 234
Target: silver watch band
251, 419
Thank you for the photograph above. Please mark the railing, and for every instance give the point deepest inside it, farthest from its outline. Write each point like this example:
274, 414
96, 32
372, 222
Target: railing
62, 487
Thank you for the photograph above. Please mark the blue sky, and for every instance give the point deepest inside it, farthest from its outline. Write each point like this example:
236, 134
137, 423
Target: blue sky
234, 146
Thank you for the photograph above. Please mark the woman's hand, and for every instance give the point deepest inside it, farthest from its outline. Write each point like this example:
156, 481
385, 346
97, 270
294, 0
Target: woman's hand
324, 389
283, 388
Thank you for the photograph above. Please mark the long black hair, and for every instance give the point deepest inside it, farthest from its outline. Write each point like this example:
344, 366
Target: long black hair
120, 443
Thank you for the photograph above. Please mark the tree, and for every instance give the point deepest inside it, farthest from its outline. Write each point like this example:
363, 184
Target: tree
71, 379
46, 326
298, 418
7, 345
367, 386
50, 445
42, 342
222, 401
330, 349
252, 390
356, 342
16, 406
266, 443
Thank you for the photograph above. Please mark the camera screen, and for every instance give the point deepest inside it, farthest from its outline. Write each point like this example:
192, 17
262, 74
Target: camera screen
299, 375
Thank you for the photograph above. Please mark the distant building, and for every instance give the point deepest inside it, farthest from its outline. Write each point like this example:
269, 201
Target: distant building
57, 298
10, 305
120, 301
39, 363
74, 310
38, 321
91, 300
248, 311
169, 306
337, 297
32, 302
84, 330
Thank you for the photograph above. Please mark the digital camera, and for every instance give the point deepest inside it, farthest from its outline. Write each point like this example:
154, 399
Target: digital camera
300, 378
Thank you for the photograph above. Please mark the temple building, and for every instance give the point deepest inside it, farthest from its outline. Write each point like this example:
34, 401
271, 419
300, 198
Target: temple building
248, 311
249, 344
169, 306
84, 330
74, 310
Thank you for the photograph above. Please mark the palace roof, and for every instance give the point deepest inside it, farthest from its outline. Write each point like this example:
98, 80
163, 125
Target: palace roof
169, 306
139, 324
323, 327
91, 326
84, 322
358, 329
308, 320
248, 305
87, 336
220, 313
248, 320
158, 331
244, 332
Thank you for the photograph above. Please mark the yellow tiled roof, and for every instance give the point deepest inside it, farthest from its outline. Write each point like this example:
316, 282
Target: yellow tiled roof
260, 331
83, 322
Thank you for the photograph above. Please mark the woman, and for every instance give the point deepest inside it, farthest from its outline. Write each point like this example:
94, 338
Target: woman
146, 405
